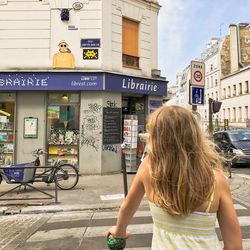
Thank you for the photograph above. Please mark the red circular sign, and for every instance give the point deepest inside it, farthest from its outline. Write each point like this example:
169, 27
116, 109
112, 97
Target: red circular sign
197, 76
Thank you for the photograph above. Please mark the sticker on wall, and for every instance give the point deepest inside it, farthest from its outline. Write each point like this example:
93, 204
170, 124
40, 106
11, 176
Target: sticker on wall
64, 58
90, 54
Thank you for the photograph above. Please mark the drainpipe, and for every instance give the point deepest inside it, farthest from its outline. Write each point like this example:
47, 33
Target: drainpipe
238, 46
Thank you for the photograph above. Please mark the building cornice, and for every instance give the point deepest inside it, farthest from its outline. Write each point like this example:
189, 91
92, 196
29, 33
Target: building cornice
236, 72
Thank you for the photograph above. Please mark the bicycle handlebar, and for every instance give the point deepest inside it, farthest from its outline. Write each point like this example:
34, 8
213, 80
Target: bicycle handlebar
38, 152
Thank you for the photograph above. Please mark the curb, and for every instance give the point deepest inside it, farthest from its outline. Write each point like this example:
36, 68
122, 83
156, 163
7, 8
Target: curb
62, 208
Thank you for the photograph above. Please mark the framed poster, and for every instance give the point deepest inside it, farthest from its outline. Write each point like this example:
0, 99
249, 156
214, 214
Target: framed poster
30, 129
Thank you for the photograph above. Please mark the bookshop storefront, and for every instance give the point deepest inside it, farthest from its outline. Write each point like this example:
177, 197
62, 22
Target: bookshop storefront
79, 114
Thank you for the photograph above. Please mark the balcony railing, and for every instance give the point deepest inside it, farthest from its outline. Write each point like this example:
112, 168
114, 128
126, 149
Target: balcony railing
130, 61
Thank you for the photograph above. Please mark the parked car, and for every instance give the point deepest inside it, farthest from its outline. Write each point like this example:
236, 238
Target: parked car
235, 144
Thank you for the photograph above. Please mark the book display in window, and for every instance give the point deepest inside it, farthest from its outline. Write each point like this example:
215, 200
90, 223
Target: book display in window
63, 144
130, 134
6, 142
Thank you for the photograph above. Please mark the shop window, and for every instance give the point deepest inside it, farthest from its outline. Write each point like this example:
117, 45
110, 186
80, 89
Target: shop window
130, 43
7, 128
63, 128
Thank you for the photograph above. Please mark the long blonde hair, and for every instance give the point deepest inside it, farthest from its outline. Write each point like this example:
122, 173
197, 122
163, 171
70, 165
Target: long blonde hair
181, 160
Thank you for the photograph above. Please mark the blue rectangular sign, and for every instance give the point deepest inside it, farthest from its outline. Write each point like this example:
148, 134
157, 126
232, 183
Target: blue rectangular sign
129, 84
51, 81
90, 43
196, 95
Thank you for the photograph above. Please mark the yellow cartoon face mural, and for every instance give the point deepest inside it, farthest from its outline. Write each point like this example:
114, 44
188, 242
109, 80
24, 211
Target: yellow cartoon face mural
64, 58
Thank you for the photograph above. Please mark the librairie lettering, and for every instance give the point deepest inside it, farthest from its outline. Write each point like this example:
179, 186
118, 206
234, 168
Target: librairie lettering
21, 81
131, 84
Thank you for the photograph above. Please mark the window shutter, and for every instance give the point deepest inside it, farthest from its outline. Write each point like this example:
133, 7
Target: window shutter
130, 37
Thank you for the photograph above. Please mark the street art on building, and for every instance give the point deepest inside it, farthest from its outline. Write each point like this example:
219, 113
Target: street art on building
64, 58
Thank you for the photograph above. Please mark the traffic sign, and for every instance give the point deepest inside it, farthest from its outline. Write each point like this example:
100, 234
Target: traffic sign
197, 73
196, 95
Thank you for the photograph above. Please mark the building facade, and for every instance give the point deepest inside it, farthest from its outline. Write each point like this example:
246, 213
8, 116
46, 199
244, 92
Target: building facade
235, 77
211, 58
227, 77
70, 71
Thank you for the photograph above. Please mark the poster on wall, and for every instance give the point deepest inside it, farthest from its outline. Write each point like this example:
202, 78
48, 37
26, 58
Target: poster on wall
30, 127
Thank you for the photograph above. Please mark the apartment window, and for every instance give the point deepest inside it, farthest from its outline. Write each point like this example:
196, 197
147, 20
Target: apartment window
229, 91
224, 93
216, 95
246, 87
234, 114
211, 67
212, 81
240, 115
224, 114
208, 83
216, 82
212, 95
240, 88
246, 112
228, 114
234, 90
130, 43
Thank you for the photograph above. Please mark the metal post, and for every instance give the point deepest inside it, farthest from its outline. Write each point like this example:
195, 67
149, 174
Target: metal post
56, 194
210, 115
124, 171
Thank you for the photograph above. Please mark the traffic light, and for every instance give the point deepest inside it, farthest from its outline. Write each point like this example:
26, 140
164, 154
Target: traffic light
215, 106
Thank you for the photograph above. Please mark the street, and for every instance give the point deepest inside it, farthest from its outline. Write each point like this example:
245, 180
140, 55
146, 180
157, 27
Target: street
86, 229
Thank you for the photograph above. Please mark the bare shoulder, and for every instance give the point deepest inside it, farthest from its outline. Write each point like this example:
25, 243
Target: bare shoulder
221, 181
219, 175
144, 166
143, 171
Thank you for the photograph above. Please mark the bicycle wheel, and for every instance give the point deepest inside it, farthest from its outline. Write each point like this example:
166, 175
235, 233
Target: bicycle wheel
66, 176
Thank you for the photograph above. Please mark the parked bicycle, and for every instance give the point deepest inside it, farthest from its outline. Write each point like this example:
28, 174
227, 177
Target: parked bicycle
64, 175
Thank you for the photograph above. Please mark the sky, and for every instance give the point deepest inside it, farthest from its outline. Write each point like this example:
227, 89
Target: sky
187, 26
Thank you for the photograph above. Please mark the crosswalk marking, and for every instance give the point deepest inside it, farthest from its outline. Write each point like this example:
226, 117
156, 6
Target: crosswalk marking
239, 207
88, 229
133, 229
247, 176
57, 234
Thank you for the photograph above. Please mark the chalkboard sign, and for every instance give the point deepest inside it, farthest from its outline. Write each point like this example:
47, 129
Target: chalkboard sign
112, 125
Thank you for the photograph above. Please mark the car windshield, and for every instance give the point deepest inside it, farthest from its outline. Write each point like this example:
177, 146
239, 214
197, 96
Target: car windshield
239, 135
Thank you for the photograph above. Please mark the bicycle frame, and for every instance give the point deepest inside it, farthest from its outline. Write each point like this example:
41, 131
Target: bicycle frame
50, 174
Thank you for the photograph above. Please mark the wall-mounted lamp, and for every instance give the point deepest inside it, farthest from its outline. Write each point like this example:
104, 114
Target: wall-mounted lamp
65, 14
65, 11
156, 73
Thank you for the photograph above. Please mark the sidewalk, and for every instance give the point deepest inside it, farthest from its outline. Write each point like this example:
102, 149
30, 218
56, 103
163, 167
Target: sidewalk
92, 192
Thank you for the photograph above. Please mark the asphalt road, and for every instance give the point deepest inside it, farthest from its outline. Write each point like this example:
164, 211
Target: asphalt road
86, 229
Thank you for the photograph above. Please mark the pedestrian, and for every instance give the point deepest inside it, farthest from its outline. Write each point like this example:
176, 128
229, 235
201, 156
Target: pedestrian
183, 180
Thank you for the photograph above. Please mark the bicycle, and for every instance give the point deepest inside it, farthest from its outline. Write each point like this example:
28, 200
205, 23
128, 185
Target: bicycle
64, 175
